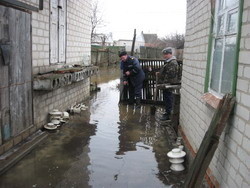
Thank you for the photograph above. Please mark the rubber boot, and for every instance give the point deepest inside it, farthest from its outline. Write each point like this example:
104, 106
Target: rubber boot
138, 102
165, 117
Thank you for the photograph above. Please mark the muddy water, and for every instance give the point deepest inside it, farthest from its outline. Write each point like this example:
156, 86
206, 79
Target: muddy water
108, 145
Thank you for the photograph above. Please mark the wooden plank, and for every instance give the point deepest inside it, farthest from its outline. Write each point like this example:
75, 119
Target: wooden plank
62, 31
209, 143
53, 31
4, 77
20, 72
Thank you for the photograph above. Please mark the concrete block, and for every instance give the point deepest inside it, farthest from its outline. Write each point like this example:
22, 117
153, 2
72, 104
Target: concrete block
245, 184
244, 172
247, 44
233, 160
232, 172
236, 136
231, 183
245, 99
242, 112
241, 126
246, 72
245, 29
243, 156
246, 4
242, 85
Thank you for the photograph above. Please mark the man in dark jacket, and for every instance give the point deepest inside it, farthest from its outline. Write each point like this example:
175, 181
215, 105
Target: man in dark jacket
168, 75
133, 76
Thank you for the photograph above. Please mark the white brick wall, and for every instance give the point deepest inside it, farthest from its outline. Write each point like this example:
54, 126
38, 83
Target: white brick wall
78, 46
40, 39
61, 99
230, 165
78, 31
78, 50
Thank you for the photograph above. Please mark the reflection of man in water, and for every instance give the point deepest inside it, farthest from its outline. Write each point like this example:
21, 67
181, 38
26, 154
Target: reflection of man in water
133, 77
130, 129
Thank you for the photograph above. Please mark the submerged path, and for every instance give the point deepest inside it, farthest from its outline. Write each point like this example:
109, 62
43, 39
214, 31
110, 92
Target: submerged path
107, 145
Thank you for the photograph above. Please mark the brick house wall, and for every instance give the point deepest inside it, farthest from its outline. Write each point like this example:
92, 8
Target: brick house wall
78, 49
230, 166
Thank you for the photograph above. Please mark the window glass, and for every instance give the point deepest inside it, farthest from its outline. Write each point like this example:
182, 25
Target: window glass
230, 3
221, 4
228, 65
220, 25
216, 67
232, 22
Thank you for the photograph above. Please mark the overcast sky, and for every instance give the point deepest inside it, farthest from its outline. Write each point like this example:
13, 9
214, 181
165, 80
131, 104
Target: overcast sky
161, 17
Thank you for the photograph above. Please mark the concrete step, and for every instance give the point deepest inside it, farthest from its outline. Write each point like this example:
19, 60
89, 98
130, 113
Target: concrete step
10, 158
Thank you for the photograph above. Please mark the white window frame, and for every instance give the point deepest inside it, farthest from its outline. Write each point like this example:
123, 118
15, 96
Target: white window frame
226, 12
57, 31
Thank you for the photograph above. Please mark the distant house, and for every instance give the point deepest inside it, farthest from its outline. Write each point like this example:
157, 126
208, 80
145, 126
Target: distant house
139, 42
216, 61
36, 38
150, 39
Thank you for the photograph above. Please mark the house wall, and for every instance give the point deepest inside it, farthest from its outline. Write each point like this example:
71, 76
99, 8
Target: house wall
230, 166
78, 49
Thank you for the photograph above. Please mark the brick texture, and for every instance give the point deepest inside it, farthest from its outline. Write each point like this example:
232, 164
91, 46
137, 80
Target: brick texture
229, 164
61, 99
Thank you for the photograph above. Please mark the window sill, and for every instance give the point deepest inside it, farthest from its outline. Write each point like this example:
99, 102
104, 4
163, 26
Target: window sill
211, 99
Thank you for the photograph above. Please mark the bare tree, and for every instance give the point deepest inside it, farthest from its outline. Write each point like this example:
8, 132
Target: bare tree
174, 40
96, 18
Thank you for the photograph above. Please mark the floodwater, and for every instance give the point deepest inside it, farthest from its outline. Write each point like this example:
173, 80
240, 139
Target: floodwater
107, 145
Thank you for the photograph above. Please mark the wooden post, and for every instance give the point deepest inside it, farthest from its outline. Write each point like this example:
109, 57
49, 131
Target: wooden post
209, 143
133, 44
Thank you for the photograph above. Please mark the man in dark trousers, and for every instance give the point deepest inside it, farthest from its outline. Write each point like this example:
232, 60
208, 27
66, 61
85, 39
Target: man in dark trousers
133, 77
168, 75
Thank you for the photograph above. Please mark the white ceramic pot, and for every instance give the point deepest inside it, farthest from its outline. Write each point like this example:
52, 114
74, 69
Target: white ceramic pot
55, 121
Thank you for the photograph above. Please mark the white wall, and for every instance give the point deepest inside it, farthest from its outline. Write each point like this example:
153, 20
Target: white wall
230, 165
78, 27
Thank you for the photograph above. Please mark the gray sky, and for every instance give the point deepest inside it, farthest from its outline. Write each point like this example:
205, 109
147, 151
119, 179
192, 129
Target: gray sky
162, 17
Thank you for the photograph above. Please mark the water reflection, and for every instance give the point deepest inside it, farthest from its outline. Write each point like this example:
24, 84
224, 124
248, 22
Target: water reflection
108, 145
61, 161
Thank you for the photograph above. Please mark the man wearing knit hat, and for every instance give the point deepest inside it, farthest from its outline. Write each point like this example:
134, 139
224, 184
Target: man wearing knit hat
133, 77
168, 75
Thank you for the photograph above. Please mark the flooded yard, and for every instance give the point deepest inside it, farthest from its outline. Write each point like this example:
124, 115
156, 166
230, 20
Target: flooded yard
107, 145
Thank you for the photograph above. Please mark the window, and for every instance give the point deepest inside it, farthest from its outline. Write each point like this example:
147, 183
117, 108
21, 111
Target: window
57, 31
224, 47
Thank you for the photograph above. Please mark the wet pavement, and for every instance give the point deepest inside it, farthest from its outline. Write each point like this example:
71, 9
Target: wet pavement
107, 145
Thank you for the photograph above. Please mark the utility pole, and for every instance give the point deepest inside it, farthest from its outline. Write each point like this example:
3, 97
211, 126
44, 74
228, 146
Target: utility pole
133, 43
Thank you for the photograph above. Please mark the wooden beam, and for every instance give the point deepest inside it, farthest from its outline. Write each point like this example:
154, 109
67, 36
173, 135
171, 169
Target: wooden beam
133, 43
209, 143
18, 5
